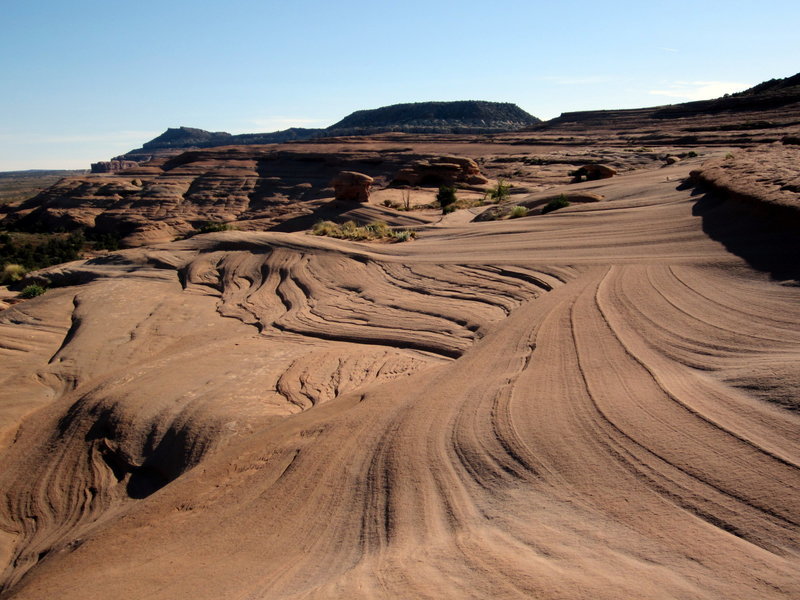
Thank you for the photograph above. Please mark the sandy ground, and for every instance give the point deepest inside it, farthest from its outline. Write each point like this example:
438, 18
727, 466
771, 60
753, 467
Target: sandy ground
596, 403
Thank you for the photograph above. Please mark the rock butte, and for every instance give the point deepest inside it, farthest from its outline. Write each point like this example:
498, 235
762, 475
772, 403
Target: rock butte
600, 402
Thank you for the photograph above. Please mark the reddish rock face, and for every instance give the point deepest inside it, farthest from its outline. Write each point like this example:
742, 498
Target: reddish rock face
352, 186
445, 170
113, 166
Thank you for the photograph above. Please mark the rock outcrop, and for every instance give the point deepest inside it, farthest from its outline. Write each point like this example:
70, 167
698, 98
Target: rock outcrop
593, 172
765, 180
113, 166
443, 170
352, 186
250, 187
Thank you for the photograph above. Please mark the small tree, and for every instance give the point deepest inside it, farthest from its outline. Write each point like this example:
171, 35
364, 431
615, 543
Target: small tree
406, 194
446, 197
500, 192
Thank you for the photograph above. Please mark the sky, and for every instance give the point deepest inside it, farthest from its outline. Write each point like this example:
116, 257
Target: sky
84, 80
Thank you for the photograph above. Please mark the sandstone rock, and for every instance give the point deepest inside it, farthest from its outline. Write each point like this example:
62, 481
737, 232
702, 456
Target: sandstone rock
353, 186
444, 170
764, 179
113, 166
535, 202
671, 160
593, 172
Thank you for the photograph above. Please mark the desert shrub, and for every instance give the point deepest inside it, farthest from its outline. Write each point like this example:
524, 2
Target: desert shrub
690, 154
32, 291
12, 273
405, 236
351, 230
517, 212
445, 197
212, 226
555, 204
500, 192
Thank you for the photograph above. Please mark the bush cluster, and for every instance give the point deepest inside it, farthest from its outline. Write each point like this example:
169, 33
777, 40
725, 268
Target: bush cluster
213, 226
32, 291
353, 231
38, 253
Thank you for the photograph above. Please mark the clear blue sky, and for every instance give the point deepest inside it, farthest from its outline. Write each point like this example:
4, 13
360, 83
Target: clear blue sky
84, 80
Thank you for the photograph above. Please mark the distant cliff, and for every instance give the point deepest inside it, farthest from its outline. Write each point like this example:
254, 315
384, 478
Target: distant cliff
770, 95
465, 116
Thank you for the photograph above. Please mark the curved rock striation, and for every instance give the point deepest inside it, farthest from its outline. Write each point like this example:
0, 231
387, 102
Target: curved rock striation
598, 402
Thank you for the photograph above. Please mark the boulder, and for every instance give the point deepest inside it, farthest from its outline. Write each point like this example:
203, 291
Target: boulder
352, 186
593, 172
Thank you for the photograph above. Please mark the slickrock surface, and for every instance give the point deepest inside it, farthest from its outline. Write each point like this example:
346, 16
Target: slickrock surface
767, 178
264, 187
596, 403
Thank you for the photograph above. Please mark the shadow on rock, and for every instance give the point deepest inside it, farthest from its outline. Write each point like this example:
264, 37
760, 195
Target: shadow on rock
766, 243
330, 211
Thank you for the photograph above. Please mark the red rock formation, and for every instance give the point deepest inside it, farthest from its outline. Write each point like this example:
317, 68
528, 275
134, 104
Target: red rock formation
444, 170
350, 185
113, 166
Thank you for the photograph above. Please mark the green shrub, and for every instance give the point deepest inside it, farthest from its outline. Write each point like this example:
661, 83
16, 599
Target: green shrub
213, 226
32, 291
517, 212
555, 204
445, 197
500, 192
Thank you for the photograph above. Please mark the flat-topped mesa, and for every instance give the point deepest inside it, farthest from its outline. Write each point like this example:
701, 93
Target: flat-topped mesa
466, 116
184, 137
462, 116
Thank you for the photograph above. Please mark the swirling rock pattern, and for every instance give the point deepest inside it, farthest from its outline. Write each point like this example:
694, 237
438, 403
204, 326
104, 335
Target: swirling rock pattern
597, 403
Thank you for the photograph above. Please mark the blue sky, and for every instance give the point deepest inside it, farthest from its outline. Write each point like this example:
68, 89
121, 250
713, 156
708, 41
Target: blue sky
84, 80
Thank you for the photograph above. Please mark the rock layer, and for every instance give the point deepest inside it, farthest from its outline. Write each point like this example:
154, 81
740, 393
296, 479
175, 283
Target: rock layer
598, 402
